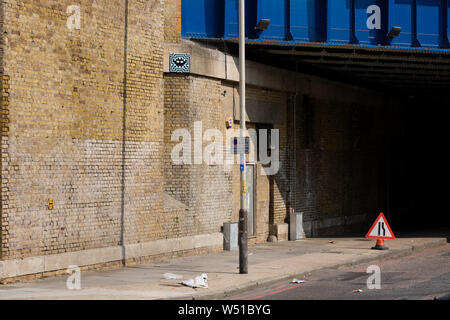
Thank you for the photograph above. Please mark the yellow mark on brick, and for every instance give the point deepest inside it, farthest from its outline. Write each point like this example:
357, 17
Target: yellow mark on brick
50, 204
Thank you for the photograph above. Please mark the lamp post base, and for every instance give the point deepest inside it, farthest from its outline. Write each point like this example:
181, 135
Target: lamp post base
243, 242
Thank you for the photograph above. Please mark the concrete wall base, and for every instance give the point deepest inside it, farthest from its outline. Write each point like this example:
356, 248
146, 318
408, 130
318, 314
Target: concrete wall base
111, 256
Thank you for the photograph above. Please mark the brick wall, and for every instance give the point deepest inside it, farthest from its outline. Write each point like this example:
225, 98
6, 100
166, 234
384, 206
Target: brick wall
4, 100
62, 126
83, 128
172, 20
199, 196
270, 108
279, 190
340, 168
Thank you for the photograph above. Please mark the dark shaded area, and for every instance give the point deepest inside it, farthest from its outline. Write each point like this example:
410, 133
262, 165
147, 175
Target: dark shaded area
420, 169
415, 151
417, 159
395, 71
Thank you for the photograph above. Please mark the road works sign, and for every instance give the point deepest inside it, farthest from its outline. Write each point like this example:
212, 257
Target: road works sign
380, 229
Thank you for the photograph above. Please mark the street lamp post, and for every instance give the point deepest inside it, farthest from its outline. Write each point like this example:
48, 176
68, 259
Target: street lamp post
243, 231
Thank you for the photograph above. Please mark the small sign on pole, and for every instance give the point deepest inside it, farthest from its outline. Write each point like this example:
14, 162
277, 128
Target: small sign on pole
240, 145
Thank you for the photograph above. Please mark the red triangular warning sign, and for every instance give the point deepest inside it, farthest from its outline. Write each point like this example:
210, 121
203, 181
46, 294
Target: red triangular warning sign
380, 229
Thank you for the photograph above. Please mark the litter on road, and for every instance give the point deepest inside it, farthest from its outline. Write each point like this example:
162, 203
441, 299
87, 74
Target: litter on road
197, 282
297, 281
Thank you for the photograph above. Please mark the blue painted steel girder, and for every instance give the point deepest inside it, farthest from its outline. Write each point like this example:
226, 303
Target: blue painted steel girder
424, 23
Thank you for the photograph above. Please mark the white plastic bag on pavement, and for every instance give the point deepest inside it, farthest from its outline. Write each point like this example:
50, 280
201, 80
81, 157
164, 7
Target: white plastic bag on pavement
197, 282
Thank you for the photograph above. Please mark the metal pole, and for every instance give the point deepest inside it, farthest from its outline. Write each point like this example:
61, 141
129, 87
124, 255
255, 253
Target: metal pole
243, 232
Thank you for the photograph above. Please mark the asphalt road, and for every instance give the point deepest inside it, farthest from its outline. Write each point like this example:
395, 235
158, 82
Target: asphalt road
424, 275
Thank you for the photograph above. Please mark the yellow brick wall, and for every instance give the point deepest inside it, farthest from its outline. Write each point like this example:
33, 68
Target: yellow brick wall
62, 125
172, 20
64, 120
272, 192
199, 196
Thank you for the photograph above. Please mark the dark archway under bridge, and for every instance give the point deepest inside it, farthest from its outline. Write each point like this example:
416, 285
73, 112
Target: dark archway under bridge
418, 182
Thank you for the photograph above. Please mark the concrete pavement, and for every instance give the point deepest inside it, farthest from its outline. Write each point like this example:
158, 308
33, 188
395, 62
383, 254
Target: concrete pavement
268, 263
